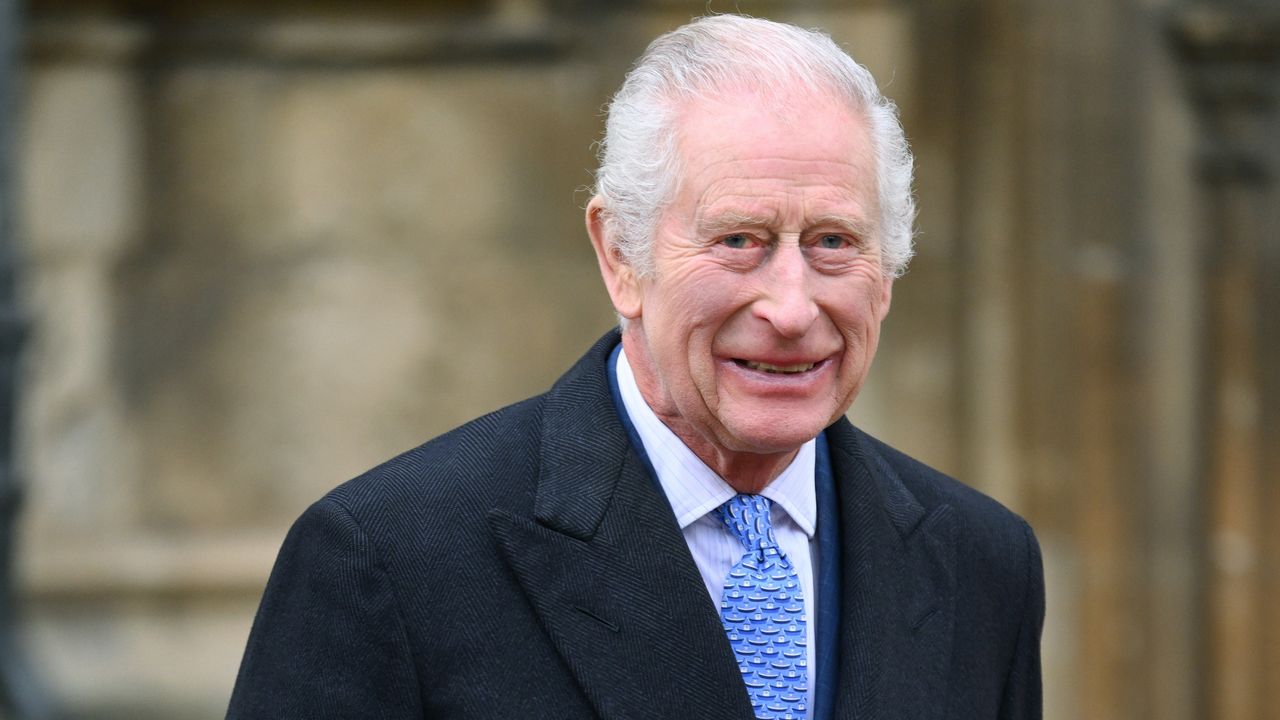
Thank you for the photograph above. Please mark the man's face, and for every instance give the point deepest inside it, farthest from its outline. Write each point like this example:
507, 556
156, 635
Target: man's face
760, 321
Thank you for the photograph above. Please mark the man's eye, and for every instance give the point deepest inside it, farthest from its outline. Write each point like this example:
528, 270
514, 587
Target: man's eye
737, 241
832, 242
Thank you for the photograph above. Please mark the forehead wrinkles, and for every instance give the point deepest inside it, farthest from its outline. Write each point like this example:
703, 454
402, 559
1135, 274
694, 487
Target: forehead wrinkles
835, 187
731, 200
726, 169
737, 153
744, 121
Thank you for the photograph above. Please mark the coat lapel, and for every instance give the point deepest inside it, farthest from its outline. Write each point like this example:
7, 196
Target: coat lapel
608, 572
897, 589
611, 579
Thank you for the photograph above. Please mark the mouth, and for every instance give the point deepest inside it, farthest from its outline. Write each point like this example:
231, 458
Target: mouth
792, 369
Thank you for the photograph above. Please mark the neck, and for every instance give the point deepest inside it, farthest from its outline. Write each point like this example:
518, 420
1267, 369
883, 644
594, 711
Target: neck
752, 474
745, 472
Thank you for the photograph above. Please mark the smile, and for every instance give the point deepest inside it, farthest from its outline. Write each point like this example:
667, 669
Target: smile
775, 369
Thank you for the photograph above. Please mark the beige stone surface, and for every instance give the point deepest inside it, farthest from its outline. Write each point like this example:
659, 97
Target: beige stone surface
80, 151
265, 253
161, 658
81, 204
252, 283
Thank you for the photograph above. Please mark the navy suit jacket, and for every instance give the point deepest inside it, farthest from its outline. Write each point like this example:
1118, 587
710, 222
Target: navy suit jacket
526, 566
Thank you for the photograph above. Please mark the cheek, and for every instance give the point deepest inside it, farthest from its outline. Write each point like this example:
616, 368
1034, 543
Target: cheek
857, 313
694, 300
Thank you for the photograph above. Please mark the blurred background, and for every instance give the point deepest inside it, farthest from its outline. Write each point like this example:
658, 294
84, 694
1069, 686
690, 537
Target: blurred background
249, 249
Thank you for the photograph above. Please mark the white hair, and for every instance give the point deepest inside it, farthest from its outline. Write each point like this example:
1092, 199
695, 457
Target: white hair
639, 162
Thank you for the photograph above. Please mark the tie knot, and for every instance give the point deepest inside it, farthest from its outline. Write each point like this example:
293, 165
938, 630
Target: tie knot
747, 518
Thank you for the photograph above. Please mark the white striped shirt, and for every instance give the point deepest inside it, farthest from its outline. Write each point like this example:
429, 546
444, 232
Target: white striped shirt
695, 491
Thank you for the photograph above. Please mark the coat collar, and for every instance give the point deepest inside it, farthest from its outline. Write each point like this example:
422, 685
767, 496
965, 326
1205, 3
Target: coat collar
897, 587
608, 571
612, 580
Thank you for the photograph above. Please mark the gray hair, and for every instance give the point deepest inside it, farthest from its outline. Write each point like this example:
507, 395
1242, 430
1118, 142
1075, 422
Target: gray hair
639, 162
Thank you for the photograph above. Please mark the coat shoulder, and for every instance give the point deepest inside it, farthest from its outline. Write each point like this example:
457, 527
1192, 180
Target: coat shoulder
932, 488
996, 538
455, 478
444, 489
999, 592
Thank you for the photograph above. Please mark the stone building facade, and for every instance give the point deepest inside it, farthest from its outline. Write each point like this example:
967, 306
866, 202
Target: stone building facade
267, 245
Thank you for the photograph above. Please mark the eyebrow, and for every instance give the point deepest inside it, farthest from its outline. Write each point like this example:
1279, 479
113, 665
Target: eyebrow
733, 220
863, 228
730, 221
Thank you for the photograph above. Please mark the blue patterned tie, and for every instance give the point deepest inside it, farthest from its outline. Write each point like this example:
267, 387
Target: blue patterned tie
763, 613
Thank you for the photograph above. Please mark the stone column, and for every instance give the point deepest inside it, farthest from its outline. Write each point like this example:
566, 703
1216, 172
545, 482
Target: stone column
20, 696
1231, 53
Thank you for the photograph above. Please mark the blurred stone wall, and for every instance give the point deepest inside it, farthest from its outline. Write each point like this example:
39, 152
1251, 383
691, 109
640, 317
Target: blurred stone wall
265, 251
269, 245
265, 254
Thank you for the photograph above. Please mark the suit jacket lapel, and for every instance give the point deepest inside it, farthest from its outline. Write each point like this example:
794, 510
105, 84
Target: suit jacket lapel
612, 581
608, 572
897, 589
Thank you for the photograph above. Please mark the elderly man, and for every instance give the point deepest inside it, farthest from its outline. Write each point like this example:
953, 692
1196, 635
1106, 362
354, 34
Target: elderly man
685, 525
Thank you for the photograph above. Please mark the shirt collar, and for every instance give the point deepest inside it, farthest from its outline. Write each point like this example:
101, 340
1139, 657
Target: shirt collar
693, 488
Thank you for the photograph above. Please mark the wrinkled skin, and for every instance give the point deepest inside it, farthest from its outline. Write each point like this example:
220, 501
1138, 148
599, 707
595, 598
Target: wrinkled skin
769, 253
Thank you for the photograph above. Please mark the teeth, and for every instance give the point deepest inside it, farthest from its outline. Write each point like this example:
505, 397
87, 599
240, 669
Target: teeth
766, 367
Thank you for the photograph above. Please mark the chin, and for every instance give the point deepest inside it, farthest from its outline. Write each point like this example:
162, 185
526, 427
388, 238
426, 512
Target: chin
771, 437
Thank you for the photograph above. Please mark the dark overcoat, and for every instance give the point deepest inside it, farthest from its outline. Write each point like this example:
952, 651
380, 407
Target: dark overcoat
525, 565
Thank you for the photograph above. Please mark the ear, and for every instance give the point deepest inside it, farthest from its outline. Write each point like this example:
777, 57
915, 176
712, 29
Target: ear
619, 277
886, 295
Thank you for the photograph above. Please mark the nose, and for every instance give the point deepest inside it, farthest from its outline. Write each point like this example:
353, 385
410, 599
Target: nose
786, 301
